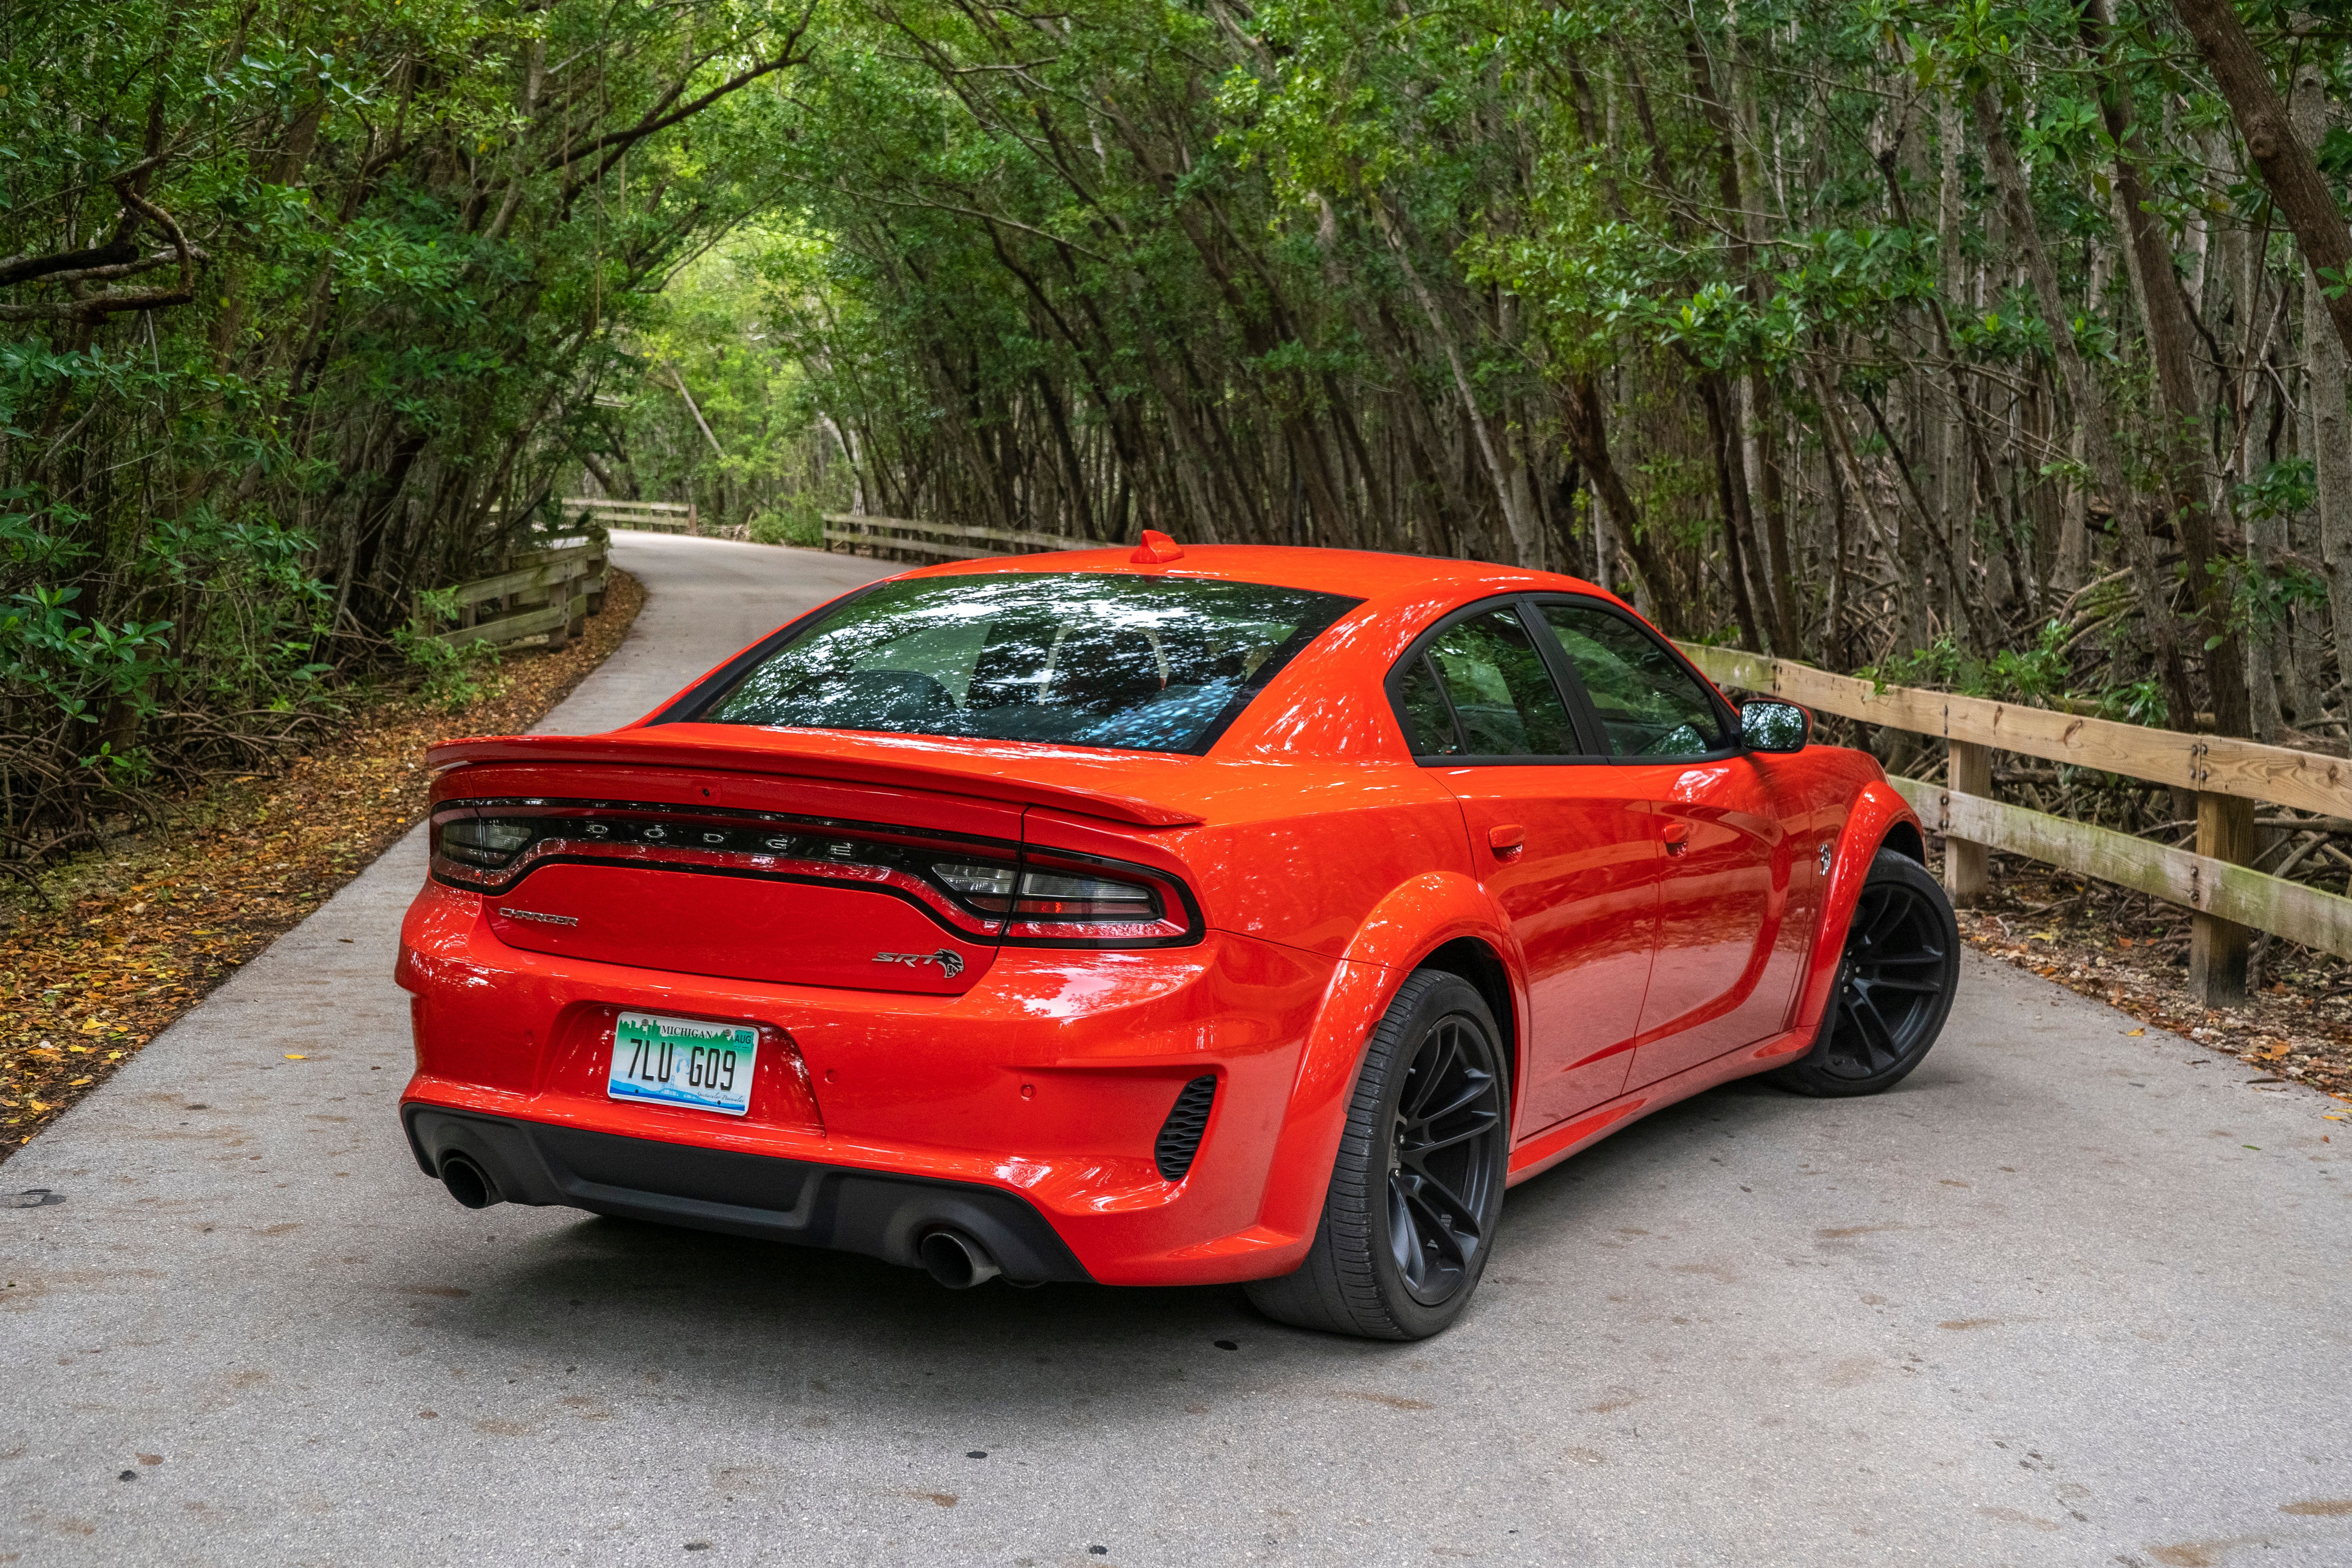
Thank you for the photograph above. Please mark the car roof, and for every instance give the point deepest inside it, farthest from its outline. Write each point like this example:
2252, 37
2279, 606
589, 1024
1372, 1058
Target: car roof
1358, 573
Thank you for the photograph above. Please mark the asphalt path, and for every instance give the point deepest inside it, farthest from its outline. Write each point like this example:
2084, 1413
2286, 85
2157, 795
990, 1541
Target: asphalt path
2071, 1294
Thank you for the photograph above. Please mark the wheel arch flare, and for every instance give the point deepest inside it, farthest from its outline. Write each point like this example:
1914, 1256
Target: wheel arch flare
1881, 819
1442, 919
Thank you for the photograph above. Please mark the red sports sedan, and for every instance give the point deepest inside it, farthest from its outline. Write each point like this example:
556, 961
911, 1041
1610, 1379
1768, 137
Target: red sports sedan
1186, 916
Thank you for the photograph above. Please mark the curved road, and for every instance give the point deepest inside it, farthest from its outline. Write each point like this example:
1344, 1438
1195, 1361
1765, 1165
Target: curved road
2067, 1296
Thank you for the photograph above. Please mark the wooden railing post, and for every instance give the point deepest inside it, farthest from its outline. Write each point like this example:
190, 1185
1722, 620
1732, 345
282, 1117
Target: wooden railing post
1969, 772
2218, 948
600, 550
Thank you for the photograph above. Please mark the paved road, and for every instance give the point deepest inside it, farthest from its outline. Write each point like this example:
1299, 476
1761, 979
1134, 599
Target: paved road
2066, 1297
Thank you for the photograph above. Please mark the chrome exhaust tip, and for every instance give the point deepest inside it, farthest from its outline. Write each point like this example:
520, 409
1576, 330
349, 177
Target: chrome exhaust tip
955, 1259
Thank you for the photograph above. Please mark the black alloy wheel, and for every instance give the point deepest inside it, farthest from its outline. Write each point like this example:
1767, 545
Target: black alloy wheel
1449, 1122
1895, 984
1417, 1188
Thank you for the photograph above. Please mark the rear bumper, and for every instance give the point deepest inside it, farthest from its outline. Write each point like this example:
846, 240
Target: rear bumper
1036, 1096
880, 1213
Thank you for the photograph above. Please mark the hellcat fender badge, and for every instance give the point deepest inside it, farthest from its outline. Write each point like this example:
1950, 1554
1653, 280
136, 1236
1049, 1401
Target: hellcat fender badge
951, 964
1826, 856
514, 914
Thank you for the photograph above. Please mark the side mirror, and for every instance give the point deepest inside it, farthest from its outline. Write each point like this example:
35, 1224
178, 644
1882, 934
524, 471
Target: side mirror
1768, 726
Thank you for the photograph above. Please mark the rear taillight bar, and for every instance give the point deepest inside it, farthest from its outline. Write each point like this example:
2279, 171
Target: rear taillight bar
976, 887
1079, 901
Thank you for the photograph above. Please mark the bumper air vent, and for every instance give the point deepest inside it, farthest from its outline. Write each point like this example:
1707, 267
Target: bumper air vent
1180, 1135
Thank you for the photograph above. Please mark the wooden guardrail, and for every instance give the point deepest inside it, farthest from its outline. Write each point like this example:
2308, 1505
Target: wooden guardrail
549, 592
906, 536
2229, 899
648, 515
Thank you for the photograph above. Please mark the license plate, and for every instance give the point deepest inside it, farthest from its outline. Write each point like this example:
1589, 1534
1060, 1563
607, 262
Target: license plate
683, 1061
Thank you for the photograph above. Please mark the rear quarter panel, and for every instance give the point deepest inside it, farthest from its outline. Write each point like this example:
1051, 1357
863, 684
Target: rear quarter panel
1298, 855
1364, 866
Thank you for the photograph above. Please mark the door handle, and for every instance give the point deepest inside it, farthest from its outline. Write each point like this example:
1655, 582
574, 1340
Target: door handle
1677, 836
1507, 840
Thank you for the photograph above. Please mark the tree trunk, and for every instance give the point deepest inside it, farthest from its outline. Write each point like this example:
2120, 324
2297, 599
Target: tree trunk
1755, 460
2288, 170
2094, 419
1522, 535
2331, 431
1589, 438
1731, 495
2163, 313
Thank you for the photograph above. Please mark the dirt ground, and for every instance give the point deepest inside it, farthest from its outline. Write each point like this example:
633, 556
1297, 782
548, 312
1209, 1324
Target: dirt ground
2131, 952
135, 934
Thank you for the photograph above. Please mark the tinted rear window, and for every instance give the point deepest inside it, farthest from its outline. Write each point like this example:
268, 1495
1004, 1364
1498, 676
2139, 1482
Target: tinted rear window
1152, 664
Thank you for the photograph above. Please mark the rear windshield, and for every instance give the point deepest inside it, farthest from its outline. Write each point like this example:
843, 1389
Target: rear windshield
1147, 664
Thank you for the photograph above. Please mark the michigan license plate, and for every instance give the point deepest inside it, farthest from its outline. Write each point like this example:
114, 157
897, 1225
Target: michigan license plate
683, 1061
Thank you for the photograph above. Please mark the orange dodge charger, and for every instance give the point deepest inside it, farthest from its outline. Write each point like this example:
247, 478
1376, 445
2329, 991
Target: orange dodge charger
1175, 917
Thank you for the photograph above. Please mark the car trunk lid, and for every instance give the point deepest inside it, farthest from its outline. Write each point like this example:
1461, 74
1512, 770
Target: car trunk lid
683, 870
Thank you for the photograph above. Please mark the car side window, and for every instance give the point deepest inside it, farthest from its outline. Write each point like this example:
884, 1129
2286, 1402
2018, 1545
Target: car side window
1647, 701
1428, 719
1502, 692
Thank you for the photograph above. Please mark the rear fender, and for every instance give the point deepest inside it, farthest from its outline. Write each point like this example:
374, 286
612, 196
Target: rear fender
1877, 811
1408, 925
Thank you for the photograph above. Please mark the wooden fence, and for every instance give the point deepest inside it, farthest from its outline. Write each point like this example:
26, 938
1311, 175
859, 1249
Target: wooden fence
547, 593
2229, 899
905, 536
647, 516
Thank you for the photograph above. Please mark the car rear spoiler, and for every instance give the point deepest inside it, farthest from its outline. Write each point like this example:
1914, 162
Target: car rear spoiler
989, 771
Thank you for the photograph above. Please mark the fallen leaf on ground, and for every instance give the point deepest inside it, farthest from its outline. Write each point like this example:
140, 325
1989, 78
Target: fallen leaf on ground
138, 933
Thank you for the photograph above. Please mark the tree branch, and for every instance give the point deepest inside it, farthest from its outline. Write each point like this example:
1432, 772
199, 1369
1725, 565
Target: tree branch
114, 302
655, 121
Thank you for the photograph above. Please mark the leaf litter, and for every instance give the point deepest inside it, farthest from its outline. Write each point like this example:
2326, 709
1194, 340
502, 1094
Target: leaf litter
138, 933
2131, 952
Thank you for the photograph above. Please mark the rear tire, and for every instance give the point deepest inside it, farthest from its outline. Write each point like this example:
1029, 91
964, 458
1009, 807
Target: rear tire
1894, 987
1418, 1184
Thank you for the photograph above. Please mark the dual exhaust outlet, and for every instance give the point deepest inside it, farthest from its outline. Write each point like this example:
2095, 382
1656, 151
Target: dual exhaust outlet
954, 1259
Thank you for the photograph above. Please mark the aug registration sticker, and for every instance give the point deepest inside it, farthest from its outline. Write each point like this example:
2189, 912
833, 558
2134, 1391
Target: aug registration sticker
683, 1061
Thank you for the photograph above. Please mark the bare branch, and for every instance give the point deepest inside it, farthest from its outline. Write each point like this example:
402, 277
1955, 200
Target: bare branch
115, 301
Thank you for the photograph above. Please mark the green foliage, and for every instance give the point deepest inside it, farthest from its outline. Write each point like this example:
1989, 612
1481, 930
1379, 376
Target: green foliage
422, 232
1465, 279
714, 328
797, 521
450, 678
2280, 489
2138, 702
2037, 674
1444, 279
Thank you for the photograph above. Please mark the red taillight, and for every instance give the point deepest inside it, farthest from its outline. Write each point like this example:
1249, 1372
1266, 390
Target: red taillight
1056, 895
976, 888
490, 846
1097, 904
1050, 895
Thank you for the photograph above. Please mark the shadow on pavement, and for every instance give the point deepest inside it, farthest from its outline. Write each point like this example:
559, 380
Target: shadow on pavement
646, 1306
